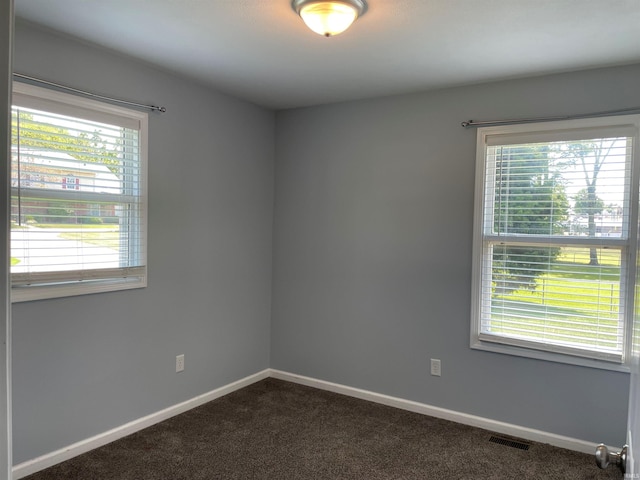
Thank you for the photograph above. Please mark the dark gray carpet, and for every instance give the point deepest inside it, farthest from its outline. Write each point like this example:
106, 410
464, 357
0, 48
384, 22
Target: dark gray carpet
280, 430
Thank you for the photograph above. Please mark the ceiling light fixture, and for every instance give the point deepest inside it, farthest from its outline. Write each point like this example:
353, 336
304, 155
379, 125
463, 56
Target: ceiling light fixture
329, 18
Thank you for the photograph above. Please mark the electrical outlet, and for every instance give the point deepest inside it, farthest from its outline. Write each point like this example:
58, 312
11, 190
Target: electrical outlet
180, 363
436, 367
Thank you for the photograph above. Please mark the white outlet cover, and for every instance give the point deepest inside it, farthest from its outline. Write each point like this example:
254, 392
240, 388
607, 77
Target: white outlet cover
436, 367
179, 363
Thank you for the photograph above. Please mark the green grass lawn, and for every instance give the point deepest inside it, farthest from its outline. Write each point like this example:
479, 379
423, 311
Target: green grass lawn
571, 294
106, 238
84, 226
581, 256
104, 235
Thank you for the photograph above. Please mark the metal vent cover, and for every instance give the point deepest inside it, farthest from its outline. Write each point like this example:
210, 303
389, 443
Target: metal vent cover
509, 442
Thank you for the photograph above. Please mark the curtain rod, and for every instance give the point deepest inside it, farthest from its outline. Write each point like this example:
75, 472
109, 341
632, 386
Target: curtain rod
88, 94
493, 123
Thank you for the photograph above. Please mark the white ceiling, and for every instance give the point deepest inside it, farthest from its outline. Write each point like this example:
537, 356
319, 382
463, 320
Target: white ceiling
261, 51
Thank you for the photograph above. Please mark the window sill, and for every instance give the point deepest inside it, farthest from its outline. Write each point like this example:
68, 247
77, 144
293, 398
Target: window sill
549, 356
27, 294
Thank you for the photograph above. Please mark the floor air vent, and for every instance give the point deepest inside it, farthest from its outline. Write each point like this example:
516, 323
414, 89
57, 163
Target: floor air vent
508, 442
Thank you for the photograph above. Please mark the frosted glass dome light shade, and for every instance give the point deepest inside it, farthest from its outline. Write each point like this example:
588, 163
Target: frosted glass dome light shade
329, 18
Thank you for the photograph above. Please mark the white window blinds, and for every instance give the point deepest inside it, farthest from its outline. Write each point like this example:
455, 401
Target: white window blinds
553, 247
78, 196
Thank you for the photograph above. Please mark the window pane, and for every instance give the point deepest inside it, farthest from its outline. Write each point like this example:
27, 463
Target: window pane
555, 296
67, 235
76, 187
559, 188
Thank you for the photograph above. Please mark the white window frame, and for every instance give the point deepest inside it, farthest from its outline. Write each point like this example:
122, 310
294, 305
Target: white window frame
62, 283
480, 258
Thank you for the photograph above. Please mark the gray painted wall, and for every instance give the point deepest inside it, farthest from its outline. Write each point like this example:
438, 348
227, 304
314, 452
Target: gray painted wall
6, 54
372, 254
86, 364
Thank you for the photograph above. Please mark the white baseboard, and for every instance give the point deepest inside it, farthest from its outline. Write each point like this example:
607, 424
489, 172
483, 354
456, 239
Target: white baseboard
31, 466
438, 412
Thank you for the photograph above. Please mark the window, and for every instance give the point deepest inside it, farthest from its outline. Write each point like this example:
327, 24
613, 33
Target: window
78, 195
554, 240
